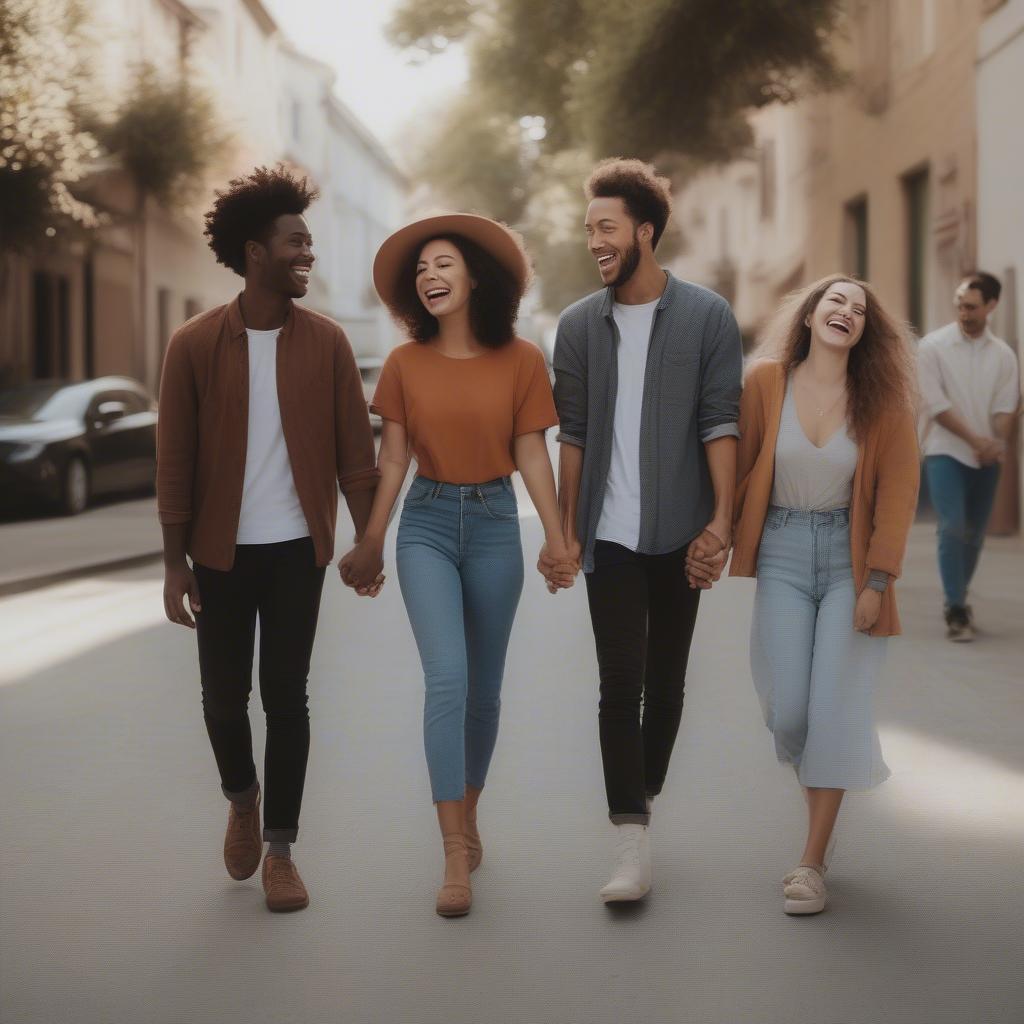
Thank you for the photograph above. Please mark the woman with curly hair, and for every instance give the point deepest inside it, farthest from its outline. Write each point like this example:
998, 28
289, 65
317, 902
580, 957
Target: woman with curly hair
827, 479
471, 402
262, 417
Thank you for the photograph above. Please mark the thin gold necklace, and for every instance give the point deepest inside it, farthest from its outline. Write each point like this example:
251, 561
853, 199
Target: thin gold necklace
817, 408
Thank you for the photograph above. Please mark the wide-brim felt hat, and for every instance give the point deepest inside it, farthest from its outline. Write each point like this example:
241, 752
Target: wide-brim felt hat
397, 251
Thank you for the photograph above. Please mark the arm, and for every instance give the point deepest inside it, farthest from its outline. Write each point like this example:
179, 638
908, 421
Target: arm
353, 437
177, 439
987, 449
717, 415
362, 566
896, 489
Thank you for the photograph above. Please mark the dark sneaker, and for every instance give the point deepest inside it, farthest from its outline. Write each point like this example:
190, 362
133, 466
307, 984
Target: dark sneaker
282, 884
243, 843
958, 626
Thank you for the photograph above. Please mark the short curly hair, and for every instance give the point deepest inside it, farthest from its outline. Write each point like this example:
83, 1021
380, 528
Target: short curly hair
647, 196
493, 304
246, 210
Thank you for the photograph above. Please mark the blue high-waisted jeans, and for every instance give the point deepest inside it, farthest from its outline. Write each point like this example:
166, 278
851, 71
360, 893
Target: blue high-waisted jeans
460, 567
814, 673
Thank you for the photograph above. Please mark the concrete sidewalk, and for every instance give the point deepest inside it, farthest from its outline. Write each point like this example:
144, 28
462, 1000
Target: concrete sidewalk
117, 909
46, 549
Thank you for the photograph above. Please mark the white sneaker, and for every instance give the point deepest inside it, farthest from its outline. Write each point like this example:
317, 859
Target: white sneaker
631, 869
804, 891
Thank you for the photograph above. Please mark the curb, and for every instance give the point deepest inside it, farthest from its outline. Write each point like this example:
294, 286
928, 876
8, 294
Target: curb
24, 586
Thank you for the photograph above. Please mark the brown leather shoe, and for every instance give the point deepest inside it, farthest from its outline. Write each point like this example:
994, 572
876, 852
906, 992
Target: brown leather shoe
282, 884
243, 843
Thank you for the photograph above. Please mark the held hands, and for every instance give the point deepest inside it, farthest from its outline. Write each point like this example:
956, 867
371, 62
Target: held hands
362, 568
989, 450
559, 564
706, 556
865, 614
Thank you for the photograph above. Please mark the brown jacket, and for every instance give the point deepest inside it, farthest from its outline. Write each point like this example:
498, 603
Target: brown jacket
884, 487
204, 418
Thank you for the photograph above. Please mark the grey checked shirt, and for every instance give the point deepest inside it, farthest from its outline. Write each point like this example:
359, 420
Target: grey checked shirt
691, 396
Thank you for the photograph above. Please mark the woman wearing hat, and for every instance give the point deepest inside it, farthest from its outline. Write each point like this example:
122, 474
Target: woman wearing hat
471, 402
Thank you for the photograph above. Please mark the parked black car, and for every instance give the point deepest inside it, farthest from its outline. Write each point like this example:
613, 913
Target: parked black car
62, 443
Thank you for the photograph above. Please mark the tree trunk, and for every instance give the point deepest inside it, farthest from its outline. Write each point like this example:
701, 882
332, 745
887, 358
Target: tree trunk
141, 346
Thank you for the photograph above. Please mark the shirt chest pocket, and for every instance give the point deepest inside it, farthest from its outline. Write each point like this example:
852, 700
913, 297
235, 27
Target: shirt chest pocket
680, 372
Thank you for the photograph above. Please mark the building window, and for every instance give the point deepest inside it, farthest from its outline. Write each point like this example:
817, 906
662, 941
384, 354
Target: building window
915, 192
51, 301
855, 238
767, 178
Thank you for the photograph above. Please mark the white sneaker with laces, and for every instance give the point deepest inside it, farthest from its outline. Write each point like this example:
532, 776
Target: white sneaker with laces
804, 890
631, 868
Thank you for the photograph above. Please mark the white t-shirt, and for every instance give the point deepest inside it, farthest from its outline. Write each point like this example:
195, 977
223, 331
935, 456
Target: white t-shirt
975, 377
620, 512
271, 511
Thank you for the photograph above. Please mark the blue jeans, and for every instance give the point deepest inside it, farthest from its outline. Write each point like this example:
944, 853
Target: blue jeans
962, 497
460, 567
814, 673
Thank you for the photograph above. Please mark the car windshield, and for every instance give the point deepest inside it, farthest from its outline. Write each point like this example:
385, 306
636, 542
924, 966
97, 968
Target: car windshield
45, 401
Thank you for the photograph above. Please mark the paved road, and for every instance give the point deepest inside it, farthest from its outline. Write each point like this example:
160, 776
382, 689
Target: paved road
115, 907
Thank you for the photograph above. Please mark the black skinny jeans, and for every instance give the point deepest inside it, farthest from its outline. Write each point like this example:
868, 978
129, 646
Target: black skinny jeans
643, 612
281, 584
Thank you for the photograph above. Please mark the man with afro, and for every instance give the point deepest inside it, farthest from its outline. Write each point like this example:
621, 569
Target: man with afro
262, 420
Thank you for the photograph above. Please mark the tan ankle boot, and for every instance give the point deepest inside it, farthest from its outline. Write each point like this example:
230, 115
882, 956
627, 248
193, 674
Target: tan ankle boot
453, 898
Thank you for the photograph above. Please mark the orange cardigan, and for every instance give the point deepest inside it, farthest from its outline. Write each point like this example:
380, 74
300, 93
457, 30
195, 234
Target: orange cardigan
884, 487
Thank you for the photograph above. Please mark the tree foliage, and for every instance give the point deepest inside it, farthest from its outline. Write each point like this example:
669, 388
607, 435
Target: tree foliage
557, 84
166, 134
44, 151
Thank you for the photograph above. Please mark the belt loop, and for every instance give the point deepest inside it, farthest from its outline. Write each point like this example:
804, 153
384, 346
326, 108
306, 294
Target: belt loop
785, 516
479, 493
437, 490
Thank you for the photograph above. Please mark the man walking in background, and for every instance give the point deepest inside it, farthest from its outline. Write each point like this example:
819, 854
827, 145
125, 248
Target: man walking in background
969, 393
262, 417
647, 385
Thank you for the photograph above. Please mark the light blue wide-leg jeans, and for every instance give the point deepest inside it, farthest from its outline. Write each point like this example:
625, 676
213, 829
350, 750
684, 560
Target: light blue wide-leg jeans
460, 568
815, 675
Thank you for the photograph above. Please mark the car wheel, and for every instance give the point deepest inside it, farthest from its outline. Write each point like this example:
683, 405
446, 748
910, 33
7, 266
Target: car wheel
75, 490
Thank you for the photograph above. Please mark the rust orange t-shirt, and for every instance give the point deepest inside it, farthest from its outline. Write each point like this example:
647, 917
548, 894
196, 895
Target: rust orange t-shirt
461, 415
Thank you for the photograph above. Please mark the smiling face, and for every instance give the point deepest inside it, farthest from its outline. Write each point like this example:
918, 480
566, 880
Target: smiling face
443, 282
284, 263
615, 239
838, 319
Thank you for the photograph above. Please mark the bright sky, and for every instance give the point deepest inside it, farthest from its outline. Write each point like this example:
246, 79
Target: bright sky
374, 79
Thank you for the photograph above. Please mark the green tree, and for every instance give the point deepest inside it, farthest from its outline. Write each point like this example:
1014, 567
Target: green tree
166, 135
666, 80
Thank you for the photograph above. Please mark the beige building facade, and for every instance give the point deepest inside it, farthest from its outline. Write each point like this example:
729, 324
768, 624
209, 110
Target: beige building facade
75, 303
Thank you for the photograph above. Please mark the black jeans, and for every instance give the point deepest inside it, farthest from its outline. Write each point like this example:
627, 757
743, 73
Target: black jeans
643, 612
281, 584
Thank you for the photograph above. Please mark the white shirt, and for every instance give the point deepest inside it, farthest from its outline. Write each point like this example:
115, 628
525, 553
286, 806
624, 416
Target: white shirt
271, 511
807, 477
620, 512
975, 377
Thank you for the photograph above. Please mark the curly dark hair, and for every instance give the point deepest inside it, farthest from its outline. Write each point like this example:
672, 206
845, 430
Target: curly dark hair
493, 304
647, 196
246, 210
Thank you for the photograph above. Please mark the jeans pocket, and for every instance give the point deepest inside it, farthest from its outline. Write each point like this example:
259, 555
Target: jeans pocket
419, 492
500, 504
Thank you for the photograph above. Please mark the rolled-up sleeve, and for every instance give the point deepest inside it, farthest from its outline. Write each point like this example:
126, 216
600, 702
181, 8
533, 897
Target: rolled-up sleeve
570, 366
356, 458
176, 435
929, 381
721, 380
1007, 396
